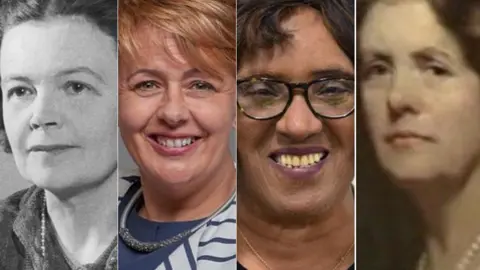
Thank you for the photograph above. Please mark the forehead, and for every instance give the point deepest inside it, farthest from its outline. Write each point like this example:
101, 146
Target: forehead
153, 47
404, 27
311, 48
37, 48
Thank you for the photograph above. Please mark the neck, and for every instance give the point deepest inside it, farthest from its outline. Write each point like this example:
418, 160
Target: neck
320, 243
452, 219
85, 223
196, 199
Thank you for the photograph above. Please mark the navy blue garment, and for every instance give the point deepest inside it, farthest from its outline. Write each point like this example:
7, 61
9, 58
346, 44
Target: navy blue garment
148, 231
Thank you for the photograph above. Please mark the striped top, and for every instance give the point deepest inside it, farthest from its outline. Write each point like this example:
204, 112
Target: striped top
212, 247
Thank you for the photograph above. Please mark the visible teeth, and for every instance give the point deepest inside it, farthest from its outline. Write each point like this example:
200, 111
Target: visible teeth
176, 143
293, 161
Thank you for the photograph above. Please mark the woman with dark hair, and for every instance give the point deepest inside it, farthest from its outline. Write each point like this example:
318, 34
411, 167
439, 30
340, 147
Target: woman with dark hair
420, 94
58, 82
295, 95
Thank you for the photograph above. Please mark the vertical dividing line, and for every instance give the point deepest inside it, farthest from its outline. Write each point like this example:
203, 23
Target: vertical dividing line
355, 133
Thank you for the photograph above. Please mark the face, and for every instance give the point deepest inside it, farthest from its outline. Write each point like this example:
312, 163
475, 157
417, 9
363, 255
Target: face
59, 102
297, 162
420, 98
175, 119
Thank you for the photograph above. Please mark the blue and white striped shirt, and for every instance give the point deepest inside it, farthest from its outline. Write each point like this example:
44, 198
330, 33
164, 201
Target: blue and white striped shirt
212, 247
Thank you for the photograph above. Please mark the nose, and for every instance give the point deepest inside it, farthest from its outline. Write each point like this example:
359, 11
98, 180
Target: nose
173, 111
299, 123
46, 111
405, 96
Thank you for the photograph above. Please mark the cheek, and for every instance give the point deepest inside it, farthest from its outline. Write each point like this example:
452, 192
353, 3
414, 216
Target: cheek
252, 135
461, 116
213, 117
343, 130
134, 113
374, 112
16, 122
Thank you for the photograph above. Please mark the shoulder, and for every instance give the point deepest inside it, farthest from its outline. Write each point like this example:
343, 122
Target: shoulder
11, 206
217, 243
126, 183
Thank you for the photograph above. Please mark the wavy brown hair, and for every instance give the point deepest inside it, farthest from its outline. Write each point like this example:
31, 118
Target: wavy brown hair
390, 232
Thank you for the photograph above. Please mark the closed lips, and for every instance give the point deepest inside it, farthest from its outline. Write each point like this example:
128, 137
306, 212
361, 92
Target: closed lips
47, 148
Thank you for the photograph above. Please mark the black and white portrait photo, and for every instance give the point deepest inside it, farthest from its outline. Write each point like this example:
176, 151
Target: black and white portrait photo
58, 74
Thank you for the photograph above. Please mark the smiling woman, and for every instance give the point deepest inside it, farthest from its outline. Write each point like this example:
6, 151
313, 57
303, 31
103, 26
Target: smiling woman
176, 112
59, 111
295, 93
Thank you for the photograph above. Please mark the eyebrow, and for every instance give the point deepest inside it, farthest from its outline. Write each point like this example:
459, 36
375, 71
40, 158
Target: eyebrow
426, 53
20, 78
376, 55
61, 73
157, 73
316, 74
80, 70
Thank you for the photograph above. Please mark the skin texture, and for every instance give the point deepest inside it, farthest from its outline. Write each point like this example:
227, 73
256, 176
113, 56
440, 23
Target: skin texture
278, 194
58, 87
179, 100
291, 222
422, 84
425, 88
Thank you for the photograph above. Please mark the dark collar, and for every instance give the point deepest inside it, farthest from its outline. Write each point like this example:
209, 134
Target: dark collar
27, 229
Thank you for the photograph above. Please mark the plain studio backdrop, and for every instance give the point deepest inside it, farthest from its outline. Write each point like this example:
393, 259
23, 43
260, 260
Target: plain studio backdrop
11, 181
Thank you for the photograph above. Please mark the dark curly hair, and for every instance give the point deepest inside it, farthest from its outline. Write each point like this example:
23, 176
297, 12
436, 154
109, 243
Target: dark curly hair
102, 13
259, 24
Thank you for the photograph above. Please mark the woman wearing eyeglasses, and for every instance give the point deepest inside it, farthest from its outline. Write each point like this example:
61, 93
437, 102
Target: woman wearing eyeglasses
295, 95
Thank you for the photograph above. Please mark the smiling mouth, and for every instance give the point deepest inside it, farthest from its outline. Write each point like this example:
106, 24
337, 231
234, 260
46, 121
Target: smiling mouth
295, 161
175, 143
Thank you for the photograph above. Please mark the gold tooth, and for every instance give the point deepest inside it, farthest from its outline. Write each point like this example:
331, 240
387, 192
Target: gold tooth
304, 161
295, 161
283, 160
288, 160
311, 159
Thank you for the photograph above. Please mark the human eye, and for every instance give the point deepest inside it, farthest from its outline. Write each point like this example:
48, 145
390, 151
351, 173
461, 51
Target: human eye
437, 69
20, 92
147, 88
260, 89
334, 92
374, 69
76, 87
201, 86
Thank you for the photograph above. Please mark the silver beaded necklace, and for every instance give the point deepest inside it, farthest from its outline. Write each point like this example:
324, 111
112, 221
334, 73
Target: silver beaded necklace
148, 247
464, 263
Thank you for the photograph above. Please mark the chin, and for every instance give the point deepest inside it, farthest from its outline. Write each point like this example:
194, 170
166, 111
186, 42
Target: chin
310, 205
63, 182
405, 173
